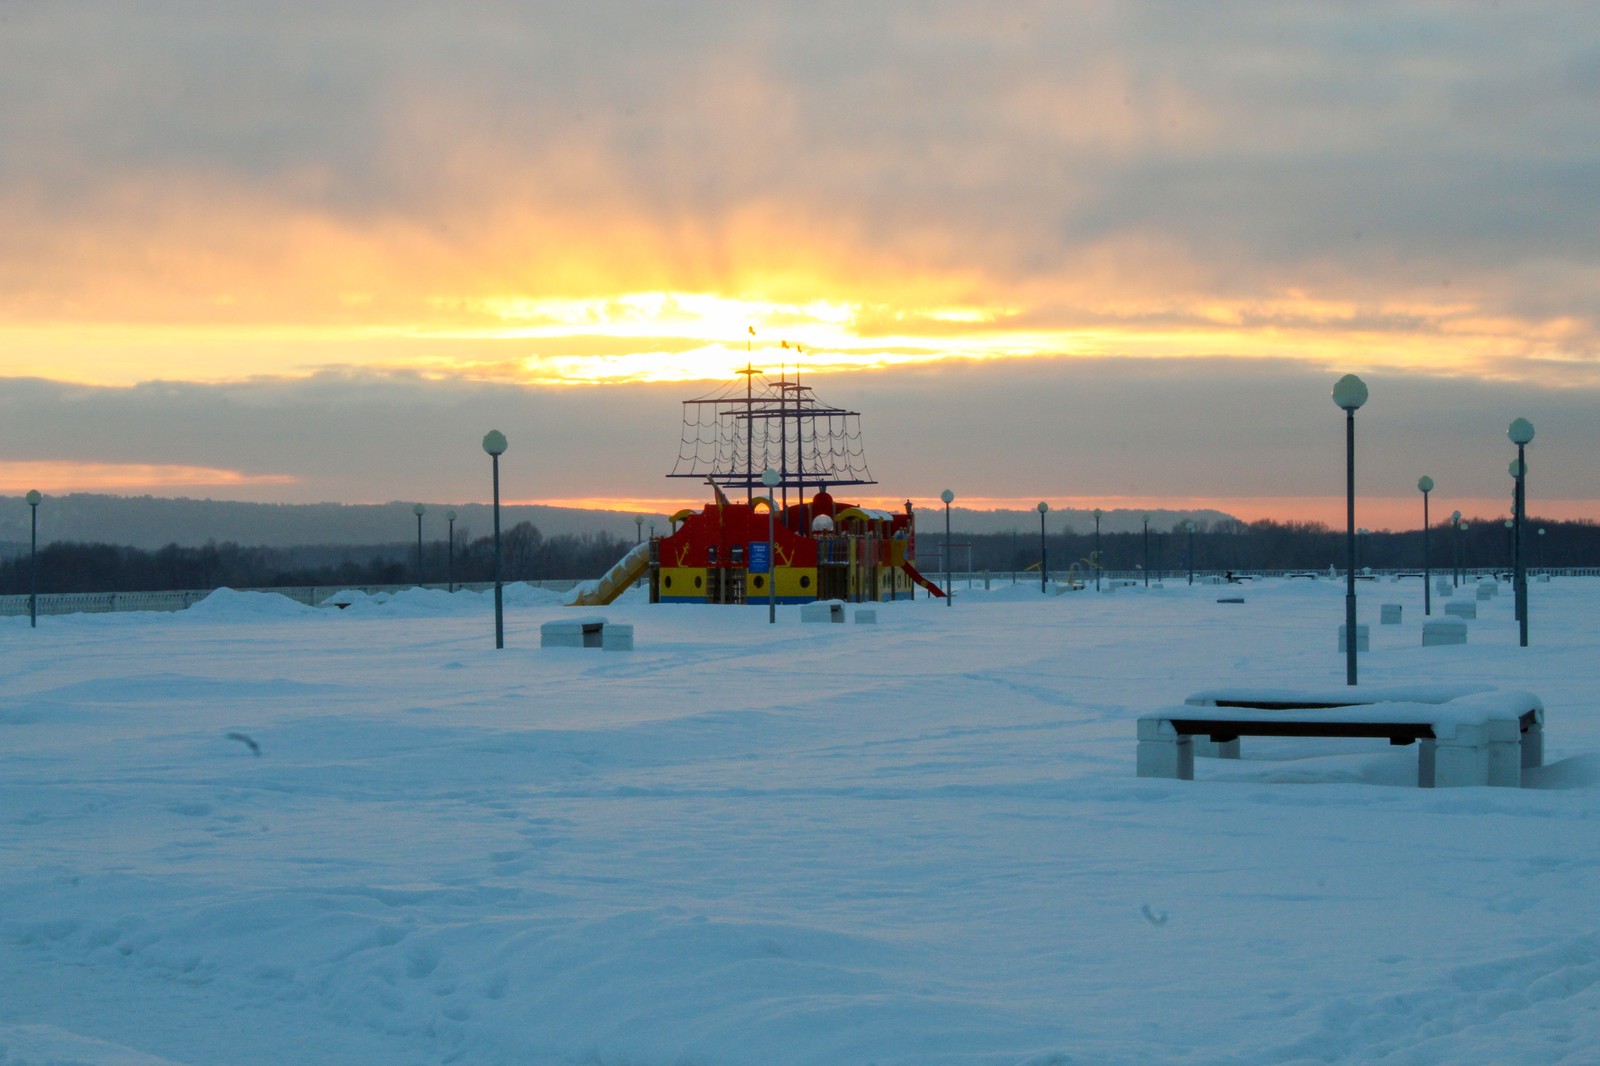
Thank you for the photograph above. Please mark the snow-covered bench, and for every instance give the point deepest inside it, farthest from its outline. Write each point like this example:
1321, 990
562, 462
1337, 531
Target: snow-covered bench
1470, 734
591, 632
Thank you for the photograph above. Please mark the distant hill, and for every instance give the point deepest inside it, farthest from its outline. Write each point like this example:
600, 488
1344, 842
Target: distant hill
1077, 521
150, 522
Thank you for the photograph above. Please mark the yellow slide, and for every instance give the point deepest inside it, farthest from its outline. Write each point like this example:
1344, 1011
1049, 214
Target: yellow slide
629, 569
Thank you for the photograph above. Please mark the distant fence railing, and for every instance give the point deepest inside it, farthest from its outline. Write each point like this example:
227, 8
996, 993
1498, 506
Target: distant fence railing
316, 595
177, 600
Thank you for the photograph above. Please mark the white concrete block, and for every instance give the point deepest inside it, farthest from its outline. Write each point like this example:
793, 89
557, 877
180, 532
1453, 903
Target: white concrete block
1444, 631
616, 636
1487, 592
1363, 636
1543, 579
572, 633
866, 616
823, 611
1464, 609
1206, 748
1443, 589
1162, 752
1389, 614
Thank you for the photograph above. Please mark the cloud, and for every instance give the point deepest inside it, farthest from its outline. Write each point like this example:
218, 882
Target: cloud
1227, 167
1140, 432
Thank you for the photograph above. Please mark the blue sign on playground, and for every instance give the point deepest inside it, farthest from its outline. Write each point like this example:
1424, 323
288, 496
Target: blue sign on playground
760, 560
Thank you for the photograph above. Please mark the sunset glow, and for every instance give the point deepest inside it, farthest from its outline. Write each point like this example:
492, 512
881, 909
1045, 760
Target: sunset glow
17, 477
1082, 246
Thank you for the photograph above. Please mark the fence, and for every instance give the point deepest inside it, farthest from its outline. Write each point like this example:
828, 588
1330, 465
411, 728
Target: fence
177, 600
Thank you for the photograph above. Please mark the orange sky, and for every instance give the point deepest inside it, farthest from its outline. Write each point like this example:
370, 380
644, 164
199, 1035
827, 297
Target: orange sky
595, 201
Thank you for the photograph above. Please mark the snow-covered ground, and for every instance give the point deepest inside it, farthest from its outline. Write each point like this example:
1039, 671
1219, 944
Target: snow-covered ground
920, 842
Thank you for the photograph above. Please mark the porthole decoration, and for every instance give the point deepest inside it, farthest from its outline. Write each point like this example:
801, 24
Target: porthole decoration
805, 581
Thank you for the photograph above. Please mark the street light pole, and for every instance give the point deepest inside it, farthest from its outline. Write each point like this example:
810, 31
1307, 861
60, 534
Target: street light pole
1146, 551
770, 478
1521, 434
1189, 526
1425, 483
949, 590
33, 560
419, 510
1349, 393
494, 442
450, 549
1455, 549
1044, 567
1097, 562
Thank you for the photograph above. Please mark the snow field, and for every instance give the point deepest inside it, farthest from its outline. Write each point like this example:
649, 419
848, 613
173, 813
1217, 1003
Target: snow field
919, 842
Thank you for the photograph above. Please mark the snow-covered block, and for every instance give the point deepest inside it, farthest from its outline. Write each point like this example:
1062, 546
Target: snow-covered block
1162, 752
1123, 583
823, 611
616, 636
1444, 631
1543, 579
866, 616
1464, 609
1212, 579
1389, 614
1158, 585
1109, 587
1442, 587
572, 632
1363, 640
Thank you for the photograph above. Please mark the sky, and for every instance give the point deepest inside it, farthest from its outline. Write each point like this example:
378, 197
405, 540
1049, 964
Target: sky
1099, 254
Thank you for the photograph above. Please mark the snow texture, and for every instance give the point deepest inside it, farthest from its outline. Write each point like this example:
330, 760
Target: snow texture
920, 842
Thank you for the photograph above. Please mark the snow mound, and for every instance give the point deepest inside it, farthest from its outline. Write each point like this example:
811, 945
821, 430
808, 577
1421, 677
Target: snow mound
227, 604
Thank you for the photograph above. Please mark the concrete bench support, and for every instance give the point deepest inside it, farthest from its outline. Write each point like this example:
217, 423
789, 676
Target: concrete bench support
1389, 614
1464, 609
1363, 637
1444, 631
1163, 752
616, 636
866, 616
1443, 589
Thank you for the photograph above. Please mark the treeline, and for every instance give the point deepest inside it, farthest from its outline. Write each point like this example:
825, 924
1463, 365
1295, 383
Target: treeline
526, 555
1231, 544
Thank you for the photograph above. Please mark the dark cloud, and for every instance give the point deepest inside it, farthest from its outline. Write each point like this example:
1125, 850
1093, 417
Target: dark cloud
1114, 428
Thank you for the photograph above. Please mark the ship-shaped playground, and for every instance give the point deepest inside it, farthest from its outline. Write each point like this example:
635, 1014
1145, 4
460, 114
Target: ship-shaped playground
772, 454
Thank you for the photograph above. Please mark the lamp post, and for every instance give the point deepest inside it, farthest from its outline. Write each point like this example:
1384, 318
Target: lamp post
1425, 483
1097, 566
1146, 551
1465, 542
1540, 548
947, 496
419, 511
1511, 548
1044, 568
494, 442
1455, 549
1189, 526
638, 529
450, 549
1361, 545
769, 478
1521, 434
33, 560
1349, 393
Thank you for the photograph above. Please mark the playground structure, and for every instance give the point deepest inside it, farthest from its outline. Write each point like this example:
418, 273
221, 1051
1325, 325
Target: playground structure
819, 549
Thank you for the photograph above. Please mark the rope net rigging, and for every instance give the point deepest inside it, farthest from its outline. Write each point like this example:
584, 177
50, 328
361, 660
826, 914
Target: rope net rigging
754, 422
